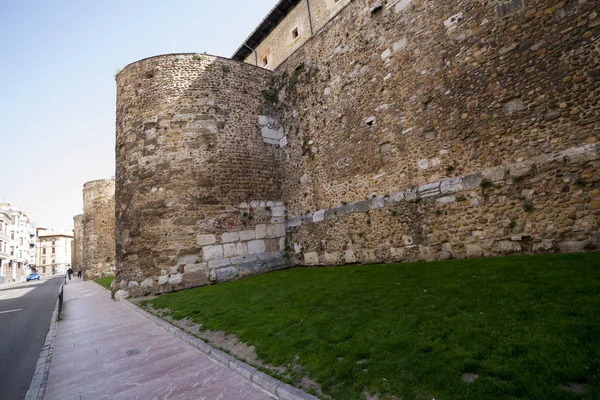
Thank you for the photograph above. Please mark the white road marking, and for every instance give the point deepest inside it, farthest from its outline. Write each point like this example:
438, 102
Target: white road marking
16, 309
1, 297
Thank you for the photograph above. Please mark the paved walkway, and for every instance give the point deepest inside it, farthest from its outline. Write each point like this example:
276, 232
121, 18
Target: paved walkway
105, 350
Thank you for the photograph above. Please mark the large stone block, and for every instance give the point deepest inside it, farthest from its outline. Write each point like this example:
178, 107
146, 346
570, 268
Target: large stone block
256, 246
212, 252
195, 278
229, 237
311, 258
205, 240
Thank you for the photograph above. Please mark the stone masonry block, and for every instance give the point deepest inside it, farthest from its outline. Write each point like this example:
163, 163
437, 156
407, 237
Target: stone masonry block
244, 259
319, 216
212, 252
256, 246
311, 258
270, 255
349, 257
230, 250
278, 212
271, 244
261, 231
247, 235
229, 237
241, 248
377, 202
472, 181
362, 206
225, 274
289, 223
205, 240
219, 263
279, 230
451, 185
196, 267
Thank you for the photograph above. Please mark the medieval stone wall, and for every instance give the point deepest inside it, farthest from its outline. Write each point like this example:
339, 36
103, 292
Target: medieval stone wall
403, 130
98, 252
394, 95
77, 249
195, 181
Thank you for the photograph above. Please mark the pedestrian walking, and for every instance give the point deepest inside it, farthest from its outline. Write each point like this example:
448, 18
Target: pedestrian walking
70, 272
79, 272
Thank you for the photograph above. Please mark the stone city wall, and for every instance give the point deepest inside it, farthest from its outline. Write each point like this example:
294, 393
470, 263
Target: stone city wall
404, 130
77, 249
420, 91
550, 203
98, 253
190, 158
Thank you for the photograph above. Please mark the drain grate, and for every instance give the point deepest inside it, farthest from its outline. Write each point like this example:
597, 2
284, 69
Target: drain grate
133, 352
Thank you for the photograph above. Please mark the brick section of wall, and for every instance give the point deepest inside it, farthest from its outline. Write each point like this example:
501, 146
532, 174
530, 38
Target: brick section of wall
189, 152
77, 249
98, 253
414, 91
550, 203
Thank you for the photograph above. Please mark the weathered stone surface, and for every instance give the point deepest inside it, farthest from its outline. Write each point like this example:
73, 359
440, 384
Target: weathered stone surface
228, 237
507, 247
225, 274
205, 240
175, 279
212, 252
97, 230
195, 278
311, 258
256, 246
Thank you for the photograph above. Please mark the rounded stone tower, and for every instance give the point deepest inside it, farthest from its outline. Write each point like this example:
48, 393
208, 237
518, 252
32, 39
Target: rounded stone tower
188, 152
98, 229
77, 242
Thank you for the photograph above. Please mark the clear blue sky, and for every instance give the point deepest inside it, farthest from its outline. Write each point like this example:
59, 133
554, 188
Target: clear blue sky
57, 88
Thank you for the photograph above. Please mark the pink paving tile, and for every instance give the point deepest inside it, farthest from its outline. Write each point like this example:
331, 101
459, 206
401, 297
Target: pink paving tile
91, 359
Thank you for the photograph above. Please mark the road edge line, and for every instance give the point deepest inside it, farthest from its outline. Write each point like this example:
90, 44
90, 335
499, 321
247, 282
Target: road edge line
37, 388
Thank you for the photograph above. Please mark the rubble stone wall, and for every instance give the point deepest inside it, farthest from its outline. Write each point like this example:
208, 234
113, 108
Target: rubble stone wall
98, 256
191, 164
550, 203
396, 95
417, 91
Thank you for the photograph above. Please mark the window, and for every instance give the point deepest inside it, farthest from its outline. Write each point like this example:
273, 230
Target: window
53, 242
295, 33
53, 250
43, 251
12, 235
265, 62
12, 250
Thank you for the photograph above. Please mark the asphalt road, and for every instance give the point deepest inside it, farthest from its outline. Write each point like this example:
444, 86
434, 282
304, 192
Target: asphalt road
25, 313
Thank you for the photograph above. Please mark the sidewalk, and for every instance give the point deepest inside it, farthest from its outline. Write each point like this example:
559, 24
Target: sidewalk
105, 350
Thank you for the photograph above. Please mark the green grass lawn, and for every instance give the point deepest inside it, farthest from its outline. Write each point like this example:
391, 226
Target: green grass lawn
106, 281
524, 324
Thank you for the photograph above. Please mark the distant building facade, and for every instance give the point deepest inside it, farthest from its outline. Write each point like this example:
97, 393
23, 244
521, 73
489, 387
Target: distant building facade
15, 243
53, 252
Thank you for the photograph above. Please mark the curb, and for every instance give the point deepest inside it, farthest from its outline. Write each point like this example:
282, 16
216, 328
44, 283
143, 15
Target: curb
37, 388
280, 390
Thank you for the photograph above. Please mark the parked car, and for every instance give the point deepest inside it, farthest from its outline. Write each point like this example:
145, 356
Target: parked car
33, 277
